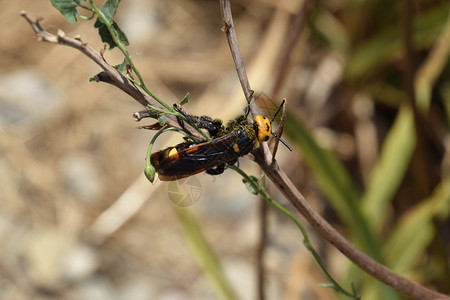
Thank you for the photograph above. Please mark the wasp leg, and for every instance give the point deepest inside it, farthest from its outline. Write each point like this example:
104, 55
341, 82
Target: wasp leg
220, 168
230, 163
216, 170
213, 126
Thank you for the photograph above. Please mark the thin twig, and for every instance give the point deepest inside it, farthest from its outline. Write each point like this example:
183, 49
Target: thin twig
270, 167
111, 75
228, 28
281, 180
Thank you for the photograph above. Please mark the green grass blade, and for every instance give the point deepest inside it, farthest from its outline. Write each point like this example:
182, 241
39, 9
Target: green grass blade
386, 45
431, 69
389, 169
204, 255
412, 234
335, 182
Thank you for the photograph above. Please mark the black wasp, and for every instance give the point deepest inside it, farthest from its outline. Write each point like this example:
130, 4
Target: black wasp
228, 143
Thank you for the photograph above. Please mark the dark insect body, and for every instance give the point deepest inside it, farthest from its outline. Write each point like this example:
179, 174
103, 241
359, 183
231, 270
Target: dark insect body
229, 143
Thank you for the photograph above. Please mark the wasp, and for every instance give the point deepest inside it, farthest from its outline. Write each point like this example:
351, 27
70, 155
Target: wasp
228, 143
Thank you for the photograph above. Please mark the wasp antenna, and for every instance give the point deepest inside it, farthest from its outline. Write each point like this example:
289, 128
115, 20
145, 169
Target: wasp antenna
278, 110
284, 143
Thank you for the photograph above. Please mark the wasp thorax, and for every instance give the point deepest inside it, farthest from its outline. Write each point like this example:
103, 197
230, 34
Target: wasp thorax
263, 128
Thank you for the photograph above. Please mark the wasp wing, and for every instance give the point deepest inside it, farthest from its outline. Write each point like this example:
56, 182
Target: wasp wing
190, 159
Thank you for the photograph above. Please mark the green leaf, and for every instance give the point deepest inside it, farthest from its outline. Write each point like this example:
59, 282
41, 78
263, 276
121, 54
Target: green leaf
250, 185
162, 119
334, 181
412, 235
122, 68
185, 99
389, 169
385, 45
68, 8
431, 68
204, 254
102, 75
109, 10
106, 35
122, 37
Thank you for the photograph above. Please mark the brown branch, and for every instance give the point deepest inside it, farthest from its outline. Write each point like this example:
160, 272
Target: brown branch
228, 28
111, 75
270, 167
366, 263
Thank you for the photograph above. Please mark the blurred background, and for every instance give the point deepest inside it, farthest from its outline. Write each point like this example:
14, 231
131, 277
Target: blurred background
368, 96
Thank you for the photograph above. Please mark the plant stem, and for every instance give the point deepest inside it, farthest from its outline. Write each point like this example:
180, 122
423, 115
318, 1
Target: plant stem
141, 82
121, 46
306, 241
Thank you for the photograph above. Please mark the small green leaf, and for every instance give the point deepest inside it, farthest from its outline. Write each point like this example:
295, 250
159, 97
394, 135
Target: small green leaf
162, 119
68, 8
102, 76
185, 99
122, 37
334, 180
122, 68
389, 170
251, 185
415, 230
109, 10
106, 35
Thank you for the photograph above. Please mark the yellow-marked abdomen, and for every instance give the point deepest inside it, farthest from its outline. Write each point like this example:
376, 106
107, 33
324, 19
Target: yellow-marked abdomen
173, 154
